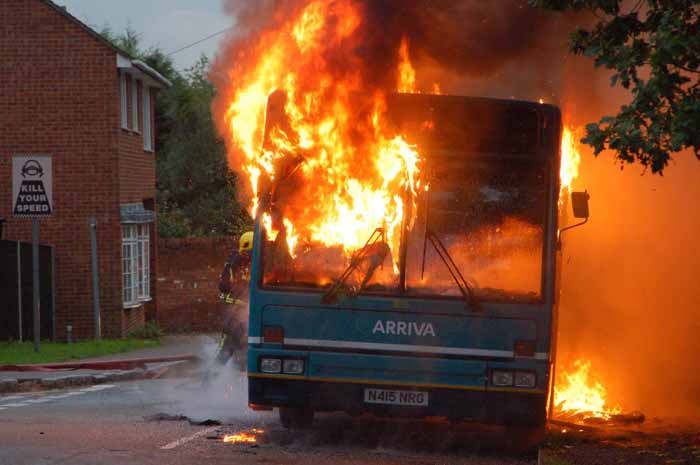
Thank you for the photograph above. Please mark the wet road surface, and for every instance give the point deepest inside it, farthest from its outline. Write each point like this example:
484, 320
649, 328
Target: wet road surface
143, 422
151, 422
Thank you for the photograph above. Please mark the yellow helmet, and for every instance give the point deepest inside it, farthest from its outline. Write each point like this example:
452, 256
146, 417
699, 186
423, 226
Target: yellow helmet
245, 243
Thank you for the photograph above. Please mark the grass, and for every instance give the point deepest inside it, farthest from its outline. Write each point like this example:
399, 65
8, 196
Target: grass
16, 353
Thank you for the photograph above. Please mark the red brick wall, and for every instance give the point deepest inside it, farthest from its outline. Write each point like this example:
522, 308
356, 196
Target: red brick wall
188, 280
137, 167
132, 319
59, 95
137, 182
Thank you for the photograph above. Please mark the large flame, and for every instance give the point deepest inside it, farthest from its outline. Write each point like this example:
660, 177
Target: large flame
575, 393
570, 161
327, 143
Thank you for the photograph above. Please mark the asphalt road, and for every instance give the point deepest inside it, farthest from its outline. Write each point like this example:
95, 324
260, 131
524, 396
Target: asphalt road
143, 422
150, 422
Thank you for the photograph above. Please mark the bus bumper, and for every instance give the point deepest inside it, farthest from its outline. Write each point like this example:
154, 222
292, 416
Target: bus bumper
493, 407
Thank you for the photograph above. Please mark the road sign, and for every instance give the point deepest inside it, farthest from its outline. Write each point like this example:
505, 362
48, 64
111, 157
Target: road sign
32, 186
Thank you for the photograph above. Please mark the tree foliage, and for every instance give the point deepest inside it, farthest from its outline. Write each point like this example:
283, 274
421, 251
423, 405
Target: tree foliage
653, 49
196, 189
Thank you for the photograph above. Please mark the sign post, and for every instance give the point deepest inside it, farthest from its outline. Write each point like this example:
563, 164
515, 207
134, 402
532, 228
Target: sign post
32, 197
36, 284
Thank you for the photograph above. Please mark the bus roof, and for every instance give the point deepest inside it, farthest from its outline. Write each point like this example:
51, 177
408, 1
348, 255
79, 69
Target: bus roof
476, 124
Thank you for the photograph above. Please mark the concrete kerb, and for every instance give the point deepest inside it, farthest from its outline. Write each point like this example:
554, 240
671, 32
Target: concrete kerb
38, 383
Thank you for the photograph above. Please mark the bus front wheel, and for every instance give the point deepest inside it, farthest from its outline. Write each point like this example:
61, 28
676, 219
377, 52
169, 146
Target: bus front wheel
296, 418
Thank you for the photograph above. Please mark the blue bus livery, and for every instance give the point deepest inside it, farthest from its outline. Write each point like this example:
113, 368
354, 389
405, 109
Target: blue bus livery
464, 330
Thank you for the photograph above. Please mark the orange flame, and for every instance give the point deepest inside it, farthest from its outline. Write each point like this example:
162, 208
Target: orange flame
240, 438
326, 143
243, 437
407, 74
570, 161
576, 394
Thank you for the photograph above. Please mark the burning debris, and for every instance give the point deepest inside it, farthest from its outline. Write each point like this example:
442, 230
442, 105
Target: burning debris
578, 397
243, 437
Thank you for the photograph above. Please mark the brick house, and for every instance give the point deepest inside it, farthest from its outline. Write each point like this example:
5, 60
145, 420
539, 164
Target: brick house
68, 93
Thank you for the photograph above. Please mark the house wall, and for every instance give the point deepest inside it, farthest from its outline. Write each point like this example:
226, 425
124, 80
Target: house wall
137, 183
137, 167
59, 95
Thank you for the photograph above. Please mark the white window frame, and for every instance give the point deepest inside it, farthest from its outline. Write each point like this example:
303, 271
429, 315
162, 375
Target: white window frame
123, 100
144, 264
134, 104
147, 128
136, 282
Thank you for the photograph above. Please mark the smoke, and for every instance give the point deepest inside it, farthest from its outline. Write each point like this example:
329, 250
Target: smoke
215, 392
451, 42
629, 298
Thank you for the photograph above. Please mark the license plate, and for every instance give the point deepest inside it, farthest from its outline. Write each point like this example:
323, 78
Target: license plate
392, 397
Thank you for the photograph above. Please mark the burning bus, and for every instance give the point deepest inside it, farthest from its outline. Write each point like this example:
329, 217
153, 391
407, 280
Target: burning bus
447, 310
405, 246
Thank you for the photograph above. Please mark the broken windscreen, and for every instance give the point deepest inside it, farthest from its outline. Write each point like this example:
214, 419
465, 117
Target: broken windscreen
489, 214
480, 192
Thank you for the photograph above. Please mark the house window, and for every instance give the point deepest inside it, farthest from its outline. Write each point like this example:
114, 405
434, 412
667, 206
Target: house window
123, 101
134, 104
147, 132
136, 264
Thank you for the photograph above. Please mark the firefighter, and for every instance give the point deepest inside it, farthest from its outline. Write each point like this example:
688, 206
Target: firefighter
233, 285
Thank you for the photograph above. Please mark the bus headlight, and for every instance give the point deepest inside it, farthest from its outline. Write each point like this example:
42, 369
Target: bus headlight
270, 365
293, 366
524, 379
502, 378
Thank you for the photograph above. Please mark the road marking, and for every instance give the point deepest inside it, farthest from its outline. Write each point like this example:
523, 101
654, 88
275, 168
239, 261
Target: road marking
69, 394
41, 398
187, 439
98, 387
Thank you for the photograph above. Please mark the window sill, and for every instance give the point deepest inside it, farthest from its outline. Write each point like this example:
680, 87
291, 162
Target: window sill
148, 151
138, 304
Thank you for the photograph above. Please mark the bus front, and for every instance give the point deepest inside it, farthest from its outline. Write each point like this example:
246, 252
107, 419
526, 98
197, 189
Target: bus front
456, 321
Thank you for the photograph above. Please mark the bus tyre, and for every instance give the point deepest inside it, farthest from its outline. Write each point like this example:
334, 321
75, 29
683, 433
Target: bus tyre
296, 418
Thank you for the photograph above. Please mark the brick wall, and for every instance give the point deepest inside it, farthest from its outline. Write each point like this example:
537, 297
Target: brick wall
137, 182
59, 96
137, 167
188, 279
